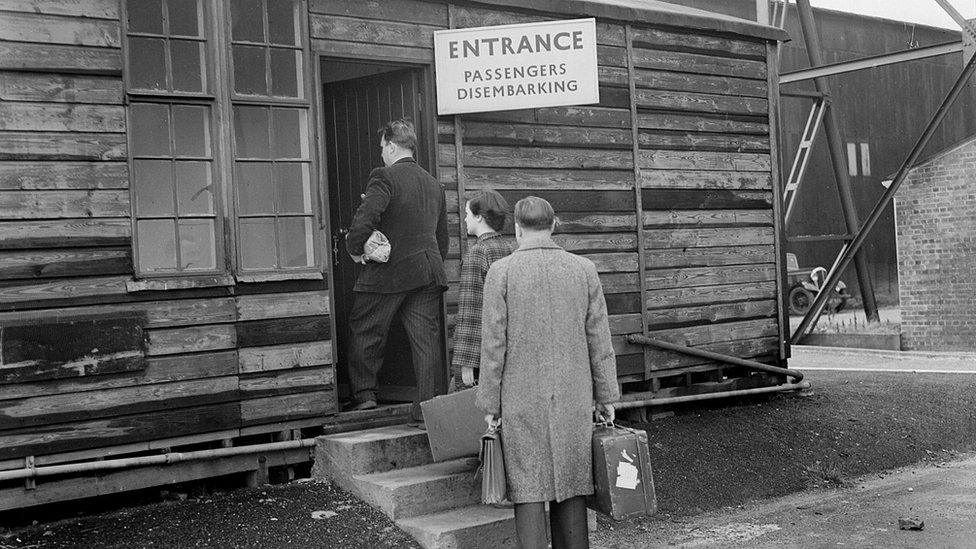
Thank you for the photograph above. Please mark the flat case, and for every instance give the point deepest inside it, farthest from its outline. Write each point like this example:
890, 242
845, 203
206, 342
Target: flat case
622, 477
454, 425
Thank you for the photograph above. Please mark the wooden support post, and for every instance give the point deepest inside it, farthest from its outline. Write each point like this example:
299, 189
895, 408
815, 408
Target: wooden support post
30, 483
779, 219
638, 203
259, 476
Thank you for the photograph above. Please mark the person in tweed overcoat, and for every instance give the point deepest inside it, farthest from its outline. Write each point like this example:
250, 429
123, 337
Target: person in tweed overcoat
546, 358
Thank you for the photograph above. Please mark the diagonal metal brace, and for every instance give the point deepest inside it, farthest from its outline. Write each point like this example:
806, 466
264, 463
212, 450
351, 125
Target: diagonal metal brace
640, 339
847, 253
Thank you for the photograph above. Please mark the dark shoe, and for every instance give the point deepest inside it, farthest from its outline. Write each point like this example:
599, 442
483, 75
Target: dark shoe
357, 406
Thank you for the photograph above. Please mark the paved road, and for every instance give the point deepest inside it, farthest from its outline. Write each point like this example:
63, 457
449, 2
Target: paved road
864, 515
807, 357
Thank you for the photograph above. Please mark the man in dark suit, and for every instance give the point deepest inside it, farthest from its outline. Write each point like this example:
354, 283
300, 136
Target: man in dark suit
407, 204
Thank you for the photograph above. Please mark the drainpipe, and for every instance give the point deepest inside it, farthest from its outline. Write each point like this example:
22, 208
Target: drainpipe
639, 339
625, 404
163, 459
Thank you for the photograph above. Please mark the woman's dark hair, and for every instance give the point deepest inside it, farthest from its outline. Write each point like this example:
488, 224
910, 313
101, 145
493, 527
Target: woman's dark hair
534, 213
401, 132
491, 206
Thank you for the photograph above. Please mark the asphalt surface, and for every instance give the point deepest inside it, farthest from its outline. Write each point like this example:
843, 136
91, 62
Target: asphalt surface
941, 497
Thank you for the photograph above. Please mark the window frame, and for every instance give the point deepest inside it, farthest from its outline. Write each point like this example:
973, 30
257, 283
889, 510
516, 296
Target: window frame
208, 98
305, 103
218, 94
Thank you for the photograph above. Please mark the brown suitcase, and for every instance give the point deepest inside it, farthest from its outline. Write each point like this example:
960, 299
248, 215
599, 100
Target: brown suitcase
623, 483
454, 425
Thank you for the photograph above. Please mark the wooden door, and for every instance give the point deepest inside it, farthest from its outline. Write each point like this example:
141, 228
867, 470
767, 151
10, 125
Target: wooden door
354, 110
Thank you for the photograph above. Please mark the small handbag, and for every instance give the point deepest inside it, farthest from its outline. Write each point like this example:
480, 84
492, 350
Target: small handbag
377, 248
494, 488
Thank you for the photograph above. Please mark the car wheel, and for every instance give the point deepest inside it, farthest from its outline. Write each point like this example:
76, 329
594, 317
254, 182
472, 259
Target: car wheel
800, 300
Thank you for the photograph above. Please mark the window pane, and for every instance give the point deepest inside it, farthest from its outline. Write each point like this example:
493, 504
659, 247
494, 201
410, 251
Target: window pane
292, 185
191, 130
247, 20
157, 245
184, 18
250, 71
285, 73
153, 187
187, 59
296, 241
147, 63
290, 137
149, 128
282, 22
258, 243
145, 16
194, 193
197, 248
255, 190
251, 132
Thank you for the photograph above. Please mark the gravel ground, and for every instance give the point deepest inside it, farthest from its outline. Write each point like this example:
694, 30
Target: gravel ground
274, 516
705, 458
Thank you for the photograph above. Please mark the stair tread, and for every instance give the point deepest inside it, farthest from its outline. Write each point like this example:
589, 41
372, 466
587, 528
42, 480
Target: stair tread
420, 474
457, 519
377, 434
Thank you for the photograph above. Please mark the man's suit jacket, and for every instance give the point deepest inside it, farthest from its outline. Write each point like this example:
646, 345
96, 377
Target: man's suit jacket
406, 204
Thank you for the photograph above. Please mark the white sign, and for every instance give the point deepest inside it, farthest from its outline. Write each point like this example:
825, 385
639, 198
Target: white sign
516, 66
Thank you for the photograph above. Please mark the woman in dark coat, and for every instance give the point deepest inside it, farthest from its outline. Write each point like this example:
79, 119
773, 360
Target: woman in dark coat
546, 357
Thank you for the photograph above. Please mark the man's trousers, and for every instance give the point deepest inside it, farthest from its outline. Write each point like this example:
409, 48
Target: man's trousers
369, 323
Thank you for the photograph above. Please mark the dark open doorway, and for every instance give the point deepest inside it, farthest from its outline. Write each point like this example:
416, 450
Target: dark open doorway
358, 98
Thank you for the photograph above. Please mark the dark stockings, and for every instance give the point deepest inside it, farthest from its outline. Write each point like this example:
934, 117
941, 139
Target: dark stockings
568, 520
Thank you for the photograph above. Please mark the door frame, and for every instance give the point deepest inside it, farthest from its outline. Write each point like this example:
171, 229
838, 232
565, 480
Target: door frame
429, 114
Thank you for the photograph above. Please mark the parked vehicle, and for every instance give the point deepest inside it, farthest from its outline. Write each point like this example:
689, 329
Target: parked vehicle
805, 284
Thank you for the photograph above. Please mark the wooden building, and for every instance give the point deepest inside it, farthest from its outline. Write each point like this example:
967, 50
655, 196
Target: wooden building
175, 176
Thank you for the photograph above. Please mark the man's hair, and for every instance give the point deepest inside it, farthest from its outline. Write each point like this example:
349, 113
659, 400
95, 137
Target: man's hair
401, 132
491, 206
534, 213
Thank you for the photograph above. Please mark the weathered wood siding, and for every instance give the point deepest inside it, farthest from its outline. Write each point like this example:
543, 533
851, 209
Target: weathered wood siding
667, 188
713, 273
89, 357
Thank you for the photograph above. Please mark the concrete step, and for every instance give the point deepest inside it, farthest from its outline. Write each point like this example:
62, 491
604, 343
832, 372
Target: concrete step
426, 489
341, 456
472, 527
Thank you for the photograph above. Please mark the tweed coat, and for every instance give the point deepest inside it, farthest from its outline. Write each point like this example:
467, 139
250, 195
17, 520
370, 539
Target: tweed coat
546, 356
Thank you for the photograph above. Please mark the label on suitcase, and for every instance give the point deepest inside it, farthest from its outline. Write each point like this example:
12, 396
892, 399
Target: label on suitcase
622, 478
454, 425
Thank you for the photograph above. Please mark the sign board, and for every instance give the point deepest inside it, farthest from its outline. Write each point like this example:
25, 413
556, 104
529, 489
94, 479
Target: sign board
516, 66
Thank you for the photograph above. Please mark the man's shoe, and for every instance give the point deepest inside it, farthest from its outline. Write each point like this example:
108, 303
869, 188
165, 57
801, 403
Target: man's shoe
357, 406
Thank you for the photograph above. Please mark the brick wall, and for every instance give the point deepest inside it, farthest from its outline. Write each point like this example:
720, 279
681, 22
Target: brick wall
936, 238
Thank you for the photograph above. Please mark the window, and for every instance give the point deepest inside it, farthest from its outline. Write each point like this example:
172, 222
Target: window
267, 50
166, 46
172, 173
865, 159
170, 127
180, 163
272, 159
274, 206
854, 167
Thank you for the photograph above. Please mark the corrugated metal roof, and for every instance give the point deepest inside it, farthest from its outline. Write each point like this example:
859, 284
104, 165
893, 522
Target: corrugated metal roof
651, 12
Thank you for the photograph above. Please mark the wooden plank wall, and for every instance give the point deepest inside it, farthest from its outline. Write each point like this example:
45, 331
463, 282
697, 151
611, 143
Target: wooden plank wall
701, 168
578, 158
88, 358
707, 195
